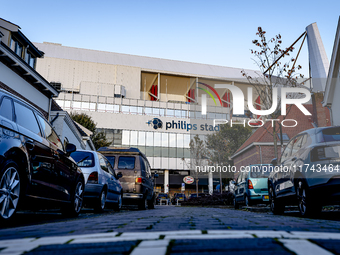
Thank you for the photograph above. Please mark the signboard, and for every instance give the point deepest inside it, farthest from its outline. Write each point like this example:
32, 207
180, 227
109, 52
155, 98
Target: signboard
188, 179
183, 187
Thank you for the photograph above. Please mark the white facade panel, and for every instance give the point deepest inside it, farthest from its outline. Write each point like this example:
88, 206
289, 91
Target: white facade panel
15, 82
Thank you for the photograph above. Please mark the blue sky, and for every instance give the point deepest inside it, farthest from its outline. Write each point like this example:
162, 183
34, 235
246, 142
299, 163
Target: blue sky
210, 32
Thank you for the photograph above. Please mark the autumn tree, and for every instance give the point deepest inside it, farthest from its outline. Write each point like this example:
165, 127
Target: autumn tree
277, 70
98, 138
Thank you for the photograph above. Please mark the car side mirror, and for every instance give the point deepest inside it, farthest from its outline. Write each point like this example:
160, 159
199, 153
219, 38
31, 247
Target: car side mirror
70, 147
119, 175
274, 161
155, 176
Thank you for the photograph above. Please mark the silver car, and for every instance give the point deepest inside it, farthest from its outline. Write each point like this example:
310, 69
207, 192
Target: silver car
101, 183
308, 173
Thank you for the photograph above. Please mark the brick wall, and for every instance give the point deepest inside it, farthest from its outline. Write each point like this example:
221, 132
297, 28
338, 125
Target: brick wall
253, 156
321, 114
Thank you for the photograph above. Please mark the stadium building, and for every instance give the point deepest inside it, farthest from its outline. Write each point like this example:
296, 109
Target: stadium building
150, 103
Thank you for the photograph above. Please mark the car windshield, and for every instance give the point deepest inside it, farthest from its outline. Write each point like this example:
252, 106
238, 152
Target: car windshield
126, 163
331, 134
261, 171
83, 158
163, 195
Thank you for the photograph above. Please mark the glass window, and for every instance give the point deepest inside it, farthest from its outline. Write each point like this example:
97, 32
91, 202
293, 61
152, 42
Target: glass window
32, 61
142, 164
111, 159
161, 112
149, 138
170, 112
148, 111
133, 109
184, 114
187, 153
102, 163
140, 110
297, 144
125, 109
191, 114
165, 138
26, 118
51, 136
133, 137
83, 158
6, 109
172, 152
178, 114
157, 139
199, 115
186, 141
126, 137
155, 111
180, 152
149, 151
165, 152
172, 140
211, 115
331, 134
157, 152
180, 141
125, 162
141, 138
288, 151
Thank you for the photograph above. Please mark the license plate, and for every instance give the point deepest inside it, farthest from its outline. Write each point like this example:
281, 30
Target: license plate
181, 198
265, 198
163, 197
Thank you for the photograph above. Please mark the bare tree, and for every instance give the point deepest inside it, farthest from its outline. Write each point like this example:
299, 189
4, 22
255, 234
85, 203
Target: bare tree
198, 154
273, 74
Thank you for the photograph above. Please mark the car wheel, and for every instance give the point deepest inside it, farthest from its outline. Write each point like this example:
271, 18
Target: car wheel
275, 206
236, 205
119, 204
151, 203
73, 209
247, 201
307, 207
100, 203
9, 190
143, 204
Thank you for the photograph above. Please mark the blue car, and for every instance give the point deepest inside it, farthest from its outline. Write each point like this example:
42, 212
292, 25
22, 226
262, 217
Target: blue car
251, 185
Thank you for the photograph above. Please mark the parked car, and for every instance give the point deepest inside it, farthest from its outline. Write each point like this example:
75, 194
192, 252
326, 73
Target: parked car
101, 182
180, 197
251, 185
34, 165
194, 195
163, 196
308, 173
137, 181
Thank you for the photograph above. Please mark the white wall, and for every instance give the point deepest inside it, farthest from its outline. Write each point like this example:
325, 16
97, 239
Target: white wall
89, 77
15, 82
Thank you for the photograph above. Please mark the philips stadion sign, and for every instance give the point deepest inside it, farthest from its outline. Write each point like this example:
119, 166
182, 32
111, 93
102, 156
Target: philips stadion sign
156, 123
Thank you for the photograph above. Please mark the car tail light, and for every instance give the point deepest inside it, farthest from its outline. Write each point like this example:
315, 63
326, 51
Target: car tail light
93, 178
138, 180
250, 185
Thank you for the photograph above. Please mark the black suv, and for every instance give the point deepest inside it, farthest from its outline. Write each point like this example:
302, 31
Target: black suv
137, 180
35, 170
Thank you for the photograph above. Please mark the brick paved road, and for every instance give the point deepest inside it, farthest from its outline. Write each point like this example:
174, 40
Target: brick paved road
198, 221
